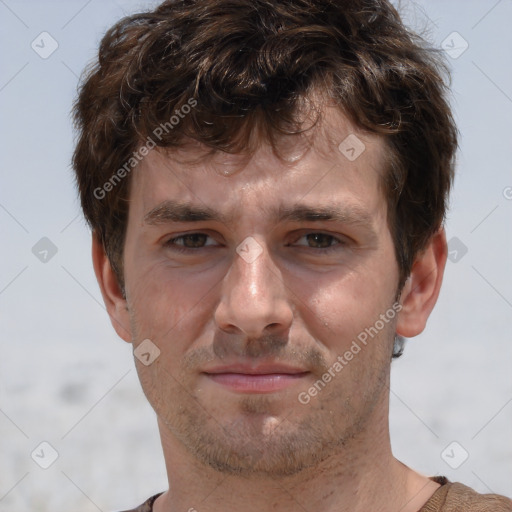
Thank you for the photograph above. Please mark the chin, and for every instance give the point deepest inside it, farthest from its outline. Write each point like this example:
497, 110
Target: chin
259, 445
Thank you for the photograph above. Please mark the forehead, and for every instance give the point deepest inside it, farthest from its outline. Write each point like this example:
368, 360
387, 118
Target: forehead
333, 160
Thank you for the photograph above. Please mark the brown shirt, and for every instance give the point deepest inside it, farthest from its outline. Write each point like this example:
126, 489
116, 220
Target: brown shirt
455, 497
450, 497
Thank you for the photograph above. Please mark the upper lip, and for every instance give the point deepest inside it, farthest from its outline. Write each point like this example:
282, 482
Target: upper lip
261, 369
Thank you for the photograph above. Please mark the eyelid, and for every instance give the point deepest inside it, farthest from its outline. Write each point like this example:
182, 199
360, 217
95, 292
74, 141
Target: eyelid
339, 238
169, 241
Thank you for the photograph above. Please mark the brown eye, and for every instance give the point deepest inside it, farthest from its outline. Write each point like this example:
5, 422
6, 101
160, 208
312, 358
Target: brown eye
320, 240
194, 240
189, 241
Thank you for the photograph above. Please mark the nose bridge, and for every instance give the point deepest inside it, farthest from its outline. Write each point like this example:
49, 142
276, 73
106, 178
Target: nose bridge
253, 261
253, 295
254, 277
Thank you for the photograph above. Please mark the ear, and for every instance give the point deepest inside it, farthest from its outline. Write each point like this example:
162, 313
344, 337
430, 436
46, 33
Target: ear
421, 290
115, 303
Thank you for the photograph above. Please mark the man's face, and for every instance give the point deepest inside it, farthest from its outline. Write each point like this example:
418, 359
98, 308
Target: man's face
250, 311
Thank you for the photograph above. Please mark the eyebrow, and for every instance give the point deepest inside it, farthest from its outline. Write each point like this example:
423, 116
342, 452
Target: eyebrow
354, 215
176, 211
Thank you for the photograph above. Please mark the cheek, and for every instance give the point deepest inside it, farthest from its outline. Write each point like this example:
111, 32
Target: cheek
349, 305
166, 303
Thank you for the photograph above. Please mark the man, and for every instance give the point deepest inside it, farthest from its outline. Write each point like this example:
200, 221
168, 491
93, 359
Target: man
266, 183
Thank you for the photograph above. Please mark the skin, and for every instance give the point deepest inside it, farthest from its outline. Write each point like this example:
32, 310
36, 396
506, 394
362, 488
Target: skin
230, 450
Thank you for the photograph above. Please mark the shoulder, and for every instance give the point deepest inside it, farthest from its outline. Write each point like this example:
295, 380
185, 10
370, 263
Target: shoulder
147, 506
454, 497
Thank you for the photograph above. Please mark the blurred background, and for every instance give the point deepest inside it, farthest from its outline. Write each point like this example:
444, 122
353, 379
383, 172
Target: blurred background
75, 429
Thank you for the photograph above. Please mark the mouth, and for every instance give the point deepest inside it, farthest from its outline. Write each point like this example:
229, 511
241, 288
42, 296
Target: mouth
262, 379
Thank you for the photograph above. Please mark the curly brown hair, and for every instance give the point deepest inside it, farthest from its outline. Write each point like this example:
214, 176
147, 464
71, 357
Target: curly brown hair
236, 65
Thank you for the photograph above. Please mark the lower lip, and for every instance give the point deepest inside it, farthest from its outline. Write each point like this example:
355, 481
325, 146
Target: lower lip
260, 383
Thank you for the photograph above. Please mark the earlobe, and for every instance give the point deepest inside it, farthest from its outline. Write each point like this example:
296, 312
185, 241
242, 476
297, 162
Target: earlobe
113, 298
421, 290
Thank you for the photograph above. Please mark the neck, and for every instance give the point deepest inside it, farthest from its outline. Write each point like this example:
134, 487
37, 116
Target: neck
363, 475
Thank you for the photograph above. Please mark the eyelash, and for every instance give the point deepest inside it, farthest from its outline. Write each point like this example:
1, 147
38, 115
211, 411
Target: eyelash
181, 249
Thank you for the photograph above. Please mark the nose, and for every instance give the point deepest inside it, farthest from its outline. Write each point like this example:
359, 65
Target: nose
254, 301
